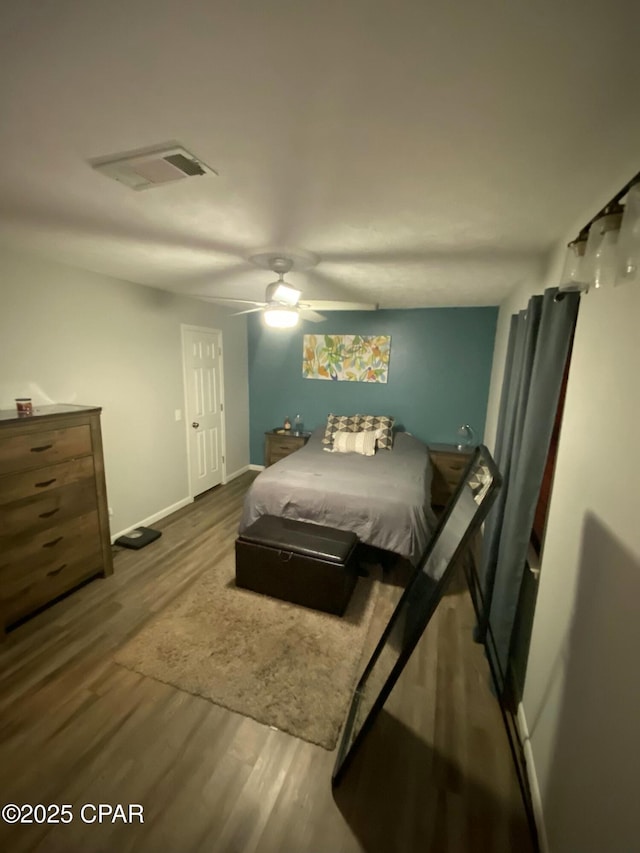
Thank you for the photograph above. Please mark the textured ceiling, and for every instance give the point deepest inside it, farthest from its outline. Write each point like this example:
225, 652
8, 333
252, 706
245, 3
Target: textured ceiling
429, 154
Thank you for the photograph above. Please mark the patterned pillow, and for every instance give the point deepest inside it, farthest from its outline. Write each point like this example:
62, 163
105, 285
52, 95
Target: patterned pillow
355, 442
346, 423
384, 423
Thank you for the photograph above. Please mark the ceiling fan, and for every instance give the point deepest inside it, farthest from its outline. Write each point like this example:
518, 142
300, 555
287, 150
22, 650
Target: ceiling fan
282, 307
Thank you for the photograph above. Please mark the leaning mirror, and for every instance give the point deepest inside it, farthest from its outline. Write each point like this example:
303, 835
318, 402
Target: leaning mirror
465, 513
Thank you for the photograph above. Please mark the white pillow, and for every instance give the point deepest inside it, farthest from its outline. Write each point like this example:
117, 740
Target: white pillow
355, 442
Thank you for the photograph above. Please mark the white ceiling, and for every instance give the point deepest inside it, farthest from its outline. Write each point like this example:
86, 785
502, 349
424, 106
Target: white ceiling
429, 153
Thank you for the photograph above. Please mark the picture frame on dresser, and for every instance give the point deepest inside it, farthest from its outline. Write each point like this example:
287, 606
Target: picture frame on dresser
54, 517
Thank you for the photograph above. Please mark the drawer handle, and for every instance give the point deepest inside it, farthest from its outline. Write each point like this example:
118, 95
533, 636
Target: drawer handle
56, 571
457, 467
50, 513
53, 542
45, 483
41, 448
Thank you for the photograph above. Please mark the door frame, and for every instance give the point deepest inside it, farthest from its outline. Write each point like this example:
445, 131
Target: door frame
187, 327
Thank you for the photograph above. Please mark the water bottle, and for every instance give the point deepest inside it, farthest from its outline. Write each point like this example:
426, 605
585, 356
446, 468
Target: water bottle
298, 426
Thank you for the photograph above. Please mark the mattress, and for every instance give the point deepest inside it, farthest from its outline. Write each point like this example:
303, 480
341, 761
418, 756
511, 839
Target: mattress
384, 499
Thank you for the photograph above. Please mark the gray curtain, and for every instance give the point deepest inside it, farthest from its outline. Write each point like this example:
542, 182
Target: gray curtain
539, 343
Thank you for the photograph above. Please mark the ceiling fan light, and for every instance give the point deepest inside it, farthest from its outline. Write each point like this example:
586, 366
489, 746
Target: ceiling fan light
280, 291
285, 293
279, 317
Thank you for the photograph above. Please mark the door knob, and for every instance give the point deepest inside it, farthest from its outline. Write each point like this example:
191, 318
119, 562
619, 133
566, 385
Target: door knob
195, 424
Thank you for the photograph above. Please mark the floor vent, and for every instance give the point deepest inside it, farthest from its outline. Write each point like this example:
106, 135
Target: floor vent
152, 167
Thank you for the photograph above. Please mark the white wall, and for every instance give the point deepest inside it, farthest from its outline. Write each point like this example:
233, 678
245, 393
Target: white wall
71, 336
582, 692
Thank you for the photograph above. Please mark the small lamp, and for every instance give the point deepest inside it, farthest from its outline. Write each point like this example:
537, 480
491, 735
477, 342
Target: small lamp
466, 436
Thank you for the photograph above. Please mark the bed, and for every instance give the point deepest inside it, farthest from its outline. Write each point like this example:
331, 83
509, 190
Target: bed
384, 499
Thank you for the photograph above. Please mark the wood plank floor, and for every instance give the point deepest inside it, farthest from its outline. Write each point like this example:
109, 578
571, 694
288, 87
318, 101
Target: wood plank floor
434, 776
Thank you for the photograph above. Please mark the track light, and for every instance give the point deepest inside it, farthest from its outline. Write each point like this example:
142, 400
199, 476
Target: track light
607, 250
629, 240
601, 256
574, 274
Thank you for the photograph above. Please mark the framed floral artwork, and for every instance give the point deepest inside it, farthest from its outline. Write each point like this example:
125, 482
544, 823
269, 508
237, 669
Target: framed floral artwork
346, 358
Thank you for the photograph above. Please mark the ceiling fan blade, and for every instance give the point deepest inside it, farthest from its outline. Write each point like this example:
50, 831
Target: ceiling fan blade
248, 311
320, 305
307, 314
222, 299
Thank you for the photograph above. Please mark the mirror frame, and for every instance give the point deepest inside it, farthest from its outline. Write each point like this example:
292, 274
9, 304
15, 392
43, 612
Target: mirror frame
349, 744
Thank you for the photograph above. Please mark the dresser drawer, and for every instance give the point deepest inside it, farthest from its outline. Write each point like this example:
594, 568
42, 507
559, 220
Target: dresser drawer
21, 594
51, 547
24, 518
37, 449
15, 487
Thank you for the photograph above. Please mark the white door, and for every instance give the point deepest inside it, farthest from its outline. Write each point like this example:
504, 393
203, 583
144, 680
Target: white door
202, 357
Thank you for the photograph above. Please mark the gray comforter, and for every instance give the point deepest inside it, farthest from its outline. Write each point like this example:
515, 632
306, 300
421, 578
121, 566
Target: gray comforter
385, 499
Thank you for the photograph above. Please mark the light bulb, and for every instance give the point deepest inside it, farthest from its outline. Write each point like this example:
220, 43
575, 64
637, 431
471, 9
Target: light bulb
281, 318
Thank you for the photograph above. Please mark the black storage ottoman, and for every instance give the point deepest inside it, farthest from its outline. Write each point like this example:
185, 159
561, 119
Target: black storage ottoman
299, 562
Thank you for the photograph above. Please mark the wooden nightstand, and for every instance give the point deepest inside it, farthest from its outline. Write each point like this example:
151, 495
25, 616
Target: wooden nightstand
448, 466
277, 444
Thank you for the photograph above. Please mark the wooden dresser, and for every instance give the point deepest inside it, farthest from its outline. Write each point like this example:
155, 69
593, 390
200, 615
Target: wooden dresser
54, 527
448, 466
278, 445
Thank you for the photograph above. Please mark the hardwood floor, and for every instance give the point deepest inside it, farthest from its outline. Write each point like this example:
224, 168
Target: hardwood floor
434, 775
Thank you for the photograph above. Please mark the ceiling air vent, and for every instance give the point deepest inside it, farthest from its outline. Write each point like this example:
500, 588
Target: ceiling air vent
152, 167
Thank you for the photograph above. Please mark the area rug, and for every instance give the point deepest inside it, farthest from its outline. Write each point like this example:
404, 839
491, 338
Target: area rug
284, 665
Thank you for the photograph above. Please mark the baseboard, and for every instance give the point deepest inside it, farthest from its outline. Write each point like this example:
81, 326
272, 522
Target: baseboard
237, 473
163, 513
256, 467
534, 788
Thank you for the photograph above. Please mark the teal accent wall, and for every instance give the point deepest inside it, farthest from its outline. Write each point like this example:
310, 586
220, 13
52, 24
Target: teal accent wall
439, 373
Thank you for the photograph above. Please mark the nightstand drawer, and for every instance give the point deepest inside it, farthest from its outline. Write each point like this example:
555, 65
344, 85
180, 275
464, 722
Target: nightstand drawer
440, 494
277, 455
287, 446
279, 445
448, 468
451, 467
